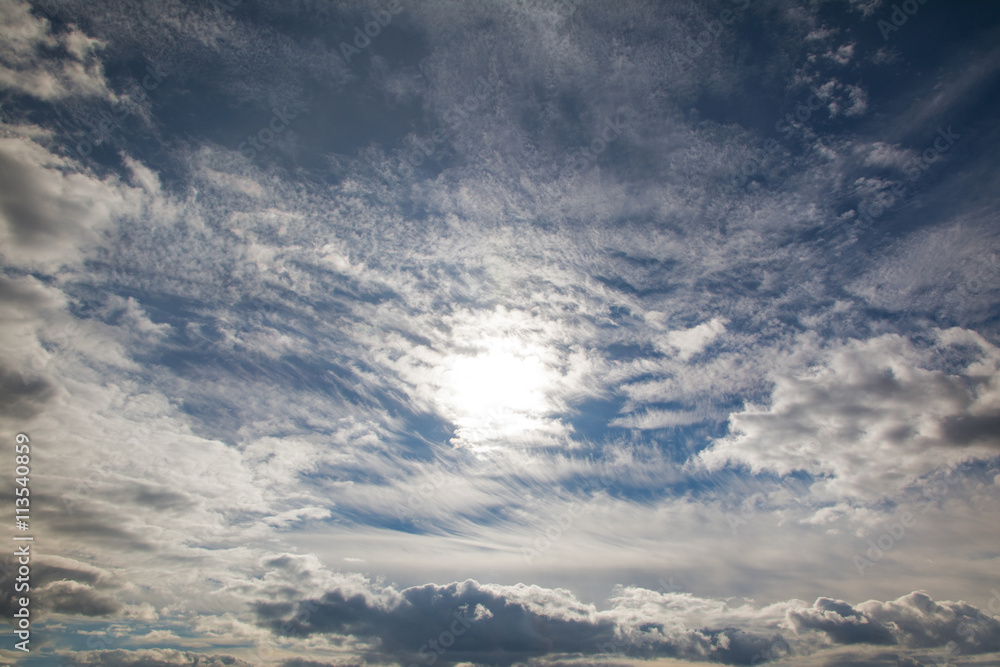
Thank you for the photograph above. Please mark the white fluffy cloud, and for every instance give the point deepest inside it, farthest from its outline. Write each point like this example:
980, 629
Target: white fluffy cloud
871, 417
51, 211
688, 342
26, 67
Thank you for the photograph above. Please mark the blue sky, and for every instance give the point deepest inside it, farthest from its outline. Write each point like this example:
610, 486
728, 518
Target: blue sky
503, 333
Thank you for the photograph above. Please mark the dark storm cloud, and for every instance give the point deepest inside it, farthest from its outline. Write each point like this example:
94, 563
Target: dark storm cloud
67, 517
498, 625
842, 623
912, 621
22, 295
470, 622
475, 624
920, 622
47, 570
969, 429
162, 498
862, 658
64, 586
70, 597
21, 396
155, 658
8, 596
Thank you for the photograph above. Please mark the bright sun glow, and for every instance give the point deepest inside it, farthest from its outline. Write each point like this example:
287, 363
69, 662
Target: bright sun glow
500, 392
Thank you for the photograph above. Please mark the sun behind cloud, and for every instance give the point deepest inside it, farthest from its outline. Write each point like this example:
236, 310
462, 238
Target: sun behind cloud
502, 391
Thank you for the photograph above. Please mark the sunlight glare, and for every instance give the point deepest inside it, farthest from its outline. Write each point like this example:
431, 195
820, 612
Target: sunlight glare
500, 392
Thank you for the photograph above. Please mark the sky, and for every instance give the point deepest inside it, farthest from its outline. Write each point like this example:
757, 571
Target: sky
551, 333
